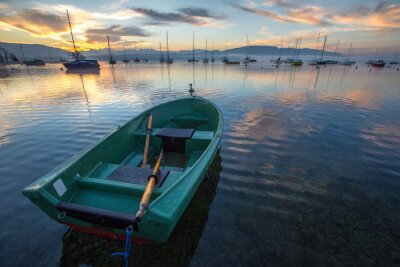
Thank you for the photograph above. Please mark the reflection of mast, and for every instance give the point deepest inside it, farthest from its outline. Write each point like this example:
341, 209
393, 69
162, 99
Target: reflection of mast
316, 78
169, 78
162, 71
113, 74
87, 99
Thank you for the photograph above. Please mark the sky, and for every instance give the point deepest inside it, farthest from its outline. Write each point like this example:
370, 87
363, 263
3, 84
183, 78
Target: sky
369, 25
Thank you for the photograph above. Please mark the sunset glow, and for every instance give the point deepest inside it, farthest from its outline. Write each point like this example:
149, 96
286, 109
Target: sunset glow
368, 24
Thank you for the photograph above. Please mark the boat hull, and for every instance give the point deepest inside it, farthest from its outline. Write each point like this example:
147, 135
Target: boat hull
82, 194
81, 64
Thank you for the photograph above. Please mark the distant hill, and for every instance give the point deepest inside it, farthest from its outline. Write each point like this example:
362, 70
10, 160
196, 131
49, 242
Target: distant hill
36, 51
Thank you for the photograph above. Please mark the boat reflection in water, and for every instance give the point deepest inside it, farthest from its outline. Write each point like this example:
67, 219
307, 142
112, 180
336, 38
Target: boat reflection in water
83, 71
81, 249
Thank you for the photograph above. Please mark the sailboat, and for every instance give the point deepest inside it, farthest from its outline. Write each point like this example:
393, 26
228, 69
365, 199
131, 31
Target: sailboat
79, 63
250, 59
347, 62
247, 58
169, 60
212, 54
125, 60
230, 62
136, 60
34, 62
315, 61
297, 61
278, 60
225, 58
321, 61
162, 59
205, 60
333, 61
111, 60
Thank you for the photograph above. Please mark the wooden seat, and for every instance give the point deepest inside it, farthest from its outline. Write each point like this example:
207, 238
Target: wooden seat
136, 175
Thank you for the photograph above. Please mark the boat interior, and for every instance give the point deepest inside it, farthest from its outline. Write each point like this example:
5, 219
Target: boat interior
109, 176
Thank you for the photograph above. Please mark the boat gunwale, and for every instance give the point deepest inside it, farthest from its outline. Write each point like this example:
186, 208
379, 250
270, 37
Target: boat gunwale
52, 175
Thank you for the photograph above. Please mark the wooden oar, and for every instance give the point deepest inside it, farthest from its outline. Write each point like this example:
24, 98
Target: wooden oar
151, 183
146, 146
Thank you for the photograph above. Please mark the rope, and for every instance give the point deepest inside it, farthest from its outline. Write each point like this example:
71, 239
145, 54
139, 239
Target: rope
128, 246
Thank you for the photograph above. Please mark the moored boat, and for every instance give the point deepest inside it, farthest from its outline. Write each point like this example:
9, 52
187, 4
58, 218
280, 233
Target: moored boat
100, 190
378, 63
34, 62
79, 63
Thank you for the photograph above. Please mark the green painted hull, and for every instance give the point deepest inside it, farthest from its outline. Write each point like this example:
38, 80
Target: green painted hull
84, 179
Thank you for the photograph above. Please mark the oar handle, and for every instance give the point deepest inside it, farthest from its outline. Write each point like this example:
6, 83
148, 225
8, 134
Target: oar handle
151, 183
146, 146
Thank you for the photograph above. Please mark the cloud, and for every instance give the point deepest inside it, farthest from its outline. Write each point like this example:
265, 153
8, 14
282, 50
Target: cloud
200, 12
118, 30
35, 21
102, 39
284, 3
189, 15
293, 16
166, 17
362, 17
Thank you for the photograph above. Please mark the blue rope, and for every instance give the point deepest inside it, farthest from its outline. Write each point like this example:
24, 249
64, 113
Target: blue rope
128, 246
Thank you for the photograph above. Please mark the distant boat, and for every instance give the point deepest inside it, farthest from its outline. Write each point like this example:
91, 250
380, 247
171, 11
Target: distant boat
315, 61
79, 63
34, 62
347, 62
225, 58
321, 61
378, 64
169, 60
394, 63
297, 62
162, 59
125, 60
192, 59
229, 62
205, 60
136, 60
288, 60
111, 60
333, 61
212, 54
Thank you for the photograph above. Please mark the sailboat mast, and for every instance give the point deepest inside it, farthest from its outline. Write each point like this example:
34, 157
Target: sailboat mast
72, 36
280, 50
206, 49
193, 48
109, 50
212, 53
22, 52
351, 46
298, 49
123, 48
323, 49
225, 50
316, 48
337, 44
167, 47
247, 47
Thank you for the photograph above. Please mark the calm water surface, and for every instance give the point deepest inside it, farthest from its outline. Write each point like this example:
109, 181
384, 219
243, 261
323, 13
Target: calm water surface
308, 173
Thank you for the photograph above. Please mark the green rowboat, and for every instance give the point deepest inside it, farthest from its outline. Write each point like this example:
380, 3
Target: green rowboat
99, 190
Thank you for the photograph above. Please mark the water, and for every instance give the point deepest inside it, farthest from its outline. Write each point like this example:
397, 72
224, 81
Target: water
309, 170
